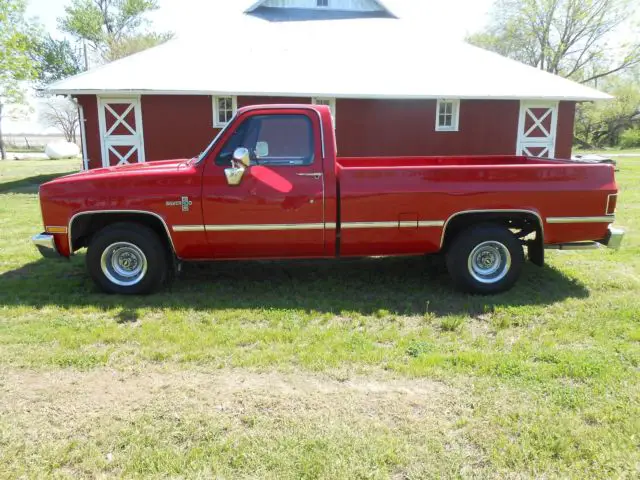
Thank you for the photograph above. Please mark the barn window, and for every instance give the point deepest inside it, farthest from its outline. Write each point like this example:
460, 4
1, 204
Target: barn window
322, 3
447, 114
330, 102
224, 108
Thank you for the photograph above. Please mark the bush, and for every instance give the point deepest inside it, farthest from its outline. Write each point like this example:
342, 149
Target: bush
630, 138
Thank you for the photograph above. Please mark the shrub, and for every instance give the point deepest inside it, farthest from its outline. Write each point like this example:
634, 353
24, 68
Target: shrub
630, 138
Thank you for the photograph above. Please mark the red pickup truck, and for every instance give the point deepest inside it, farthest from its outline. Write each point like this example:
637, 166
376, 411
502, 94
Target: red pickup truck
270, 185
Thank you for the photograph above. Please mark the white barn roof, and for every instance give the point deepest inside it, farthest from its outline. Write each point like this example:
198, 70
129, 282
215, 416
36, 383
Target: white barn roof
347, 58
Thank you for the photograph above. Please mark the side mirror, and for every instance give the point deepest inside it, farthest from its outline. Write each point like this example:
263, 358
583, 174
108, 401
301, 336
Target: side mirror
262, 149
239, 164
241, 157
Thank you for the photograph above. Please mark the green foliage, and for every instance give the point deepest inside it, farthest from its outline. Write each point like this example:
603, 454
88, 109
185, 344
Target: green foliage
630, 138
111, 28
16, 65
57, 59
602, 124
128, 45
16, 41
571, 38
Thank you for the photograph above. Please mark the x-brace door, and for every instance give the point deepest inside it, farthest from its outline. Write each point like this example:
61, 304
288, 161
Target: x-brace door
537, 129
121, 135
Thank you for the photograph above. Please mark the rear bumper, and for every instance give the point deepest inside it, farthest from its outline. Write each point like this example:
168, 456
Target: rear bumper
614, 238
46, 245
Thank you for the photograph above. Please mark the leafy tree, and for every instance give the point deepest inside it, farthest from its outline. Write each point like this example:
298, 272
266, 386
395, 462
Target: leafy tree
16, 64
111, 26
570, 38
128, 45
602, 124
56, 59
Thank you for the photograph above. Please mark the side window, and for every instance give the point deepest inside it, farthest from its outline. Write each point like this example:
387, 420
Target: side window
278, 140
447, 115
224, 108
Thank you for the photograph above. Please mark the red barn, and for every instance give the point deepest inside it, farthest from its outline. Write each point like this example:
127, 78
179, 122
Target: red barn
394, 87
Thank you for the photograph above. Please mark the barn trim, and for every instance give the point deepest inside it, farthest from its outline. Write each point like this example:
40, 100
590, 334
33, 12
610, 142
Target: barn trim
125, 93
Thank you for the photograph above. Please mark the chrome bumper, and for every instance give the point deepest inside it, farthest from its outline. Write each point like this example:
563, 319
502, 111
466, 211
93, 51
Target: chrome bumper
614, 238
46, 245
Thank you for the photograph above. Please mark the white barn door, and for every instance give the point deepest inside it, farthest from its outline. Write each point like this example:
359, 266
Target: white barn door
537, 129
121, 135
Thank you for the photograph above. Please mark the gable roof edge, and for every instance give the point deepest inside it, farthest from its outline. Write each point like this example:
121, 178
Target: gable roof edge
379, 2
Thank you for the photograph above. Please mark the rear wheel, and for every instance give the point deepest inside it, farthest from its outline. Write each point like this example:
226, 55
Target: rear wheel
485, 259
127, 258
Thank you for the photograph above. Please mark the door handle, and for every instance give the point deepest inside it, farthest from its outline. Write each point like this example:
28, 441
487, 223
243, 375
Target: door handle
316, 176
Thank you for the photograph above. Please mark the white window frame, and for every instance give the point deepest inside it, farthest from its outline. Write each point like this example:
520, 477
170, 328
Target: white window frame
455, 115
323, 6
216, 113
324, 101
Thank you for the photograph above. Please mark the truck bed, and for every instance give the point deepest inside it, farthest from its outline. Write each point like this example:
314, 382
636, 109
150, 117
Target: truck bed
426, 192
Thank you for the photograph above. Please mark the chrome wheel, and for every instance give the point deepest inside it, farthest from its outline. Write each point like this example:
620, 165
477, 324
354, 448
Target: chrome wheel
123, 263
489, 262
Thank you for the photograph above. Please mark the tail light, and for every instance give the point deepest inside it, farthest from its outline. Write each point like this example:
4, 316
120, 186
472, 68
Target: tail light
612, 201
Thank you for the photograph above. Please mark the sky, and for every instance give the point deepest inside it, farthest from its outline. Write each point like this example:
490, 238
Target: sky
459, 17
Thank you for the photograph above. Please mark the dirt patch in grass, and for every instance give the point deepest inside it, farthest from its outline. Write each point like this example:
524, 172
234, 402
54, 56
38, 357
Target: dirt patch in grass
82, 423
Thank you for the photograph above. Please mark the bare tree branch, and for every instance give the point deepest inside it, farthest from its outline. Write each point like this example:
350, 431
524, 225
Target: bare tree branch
62, 114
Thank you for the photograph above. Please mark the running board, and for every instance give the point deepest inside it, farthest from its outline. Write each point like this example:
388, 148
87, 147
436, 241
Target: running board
574, 246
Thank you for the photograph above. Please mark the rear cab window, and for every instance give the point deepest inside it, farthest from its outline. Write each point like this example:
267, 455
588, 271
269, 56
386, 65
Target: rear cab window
273, 140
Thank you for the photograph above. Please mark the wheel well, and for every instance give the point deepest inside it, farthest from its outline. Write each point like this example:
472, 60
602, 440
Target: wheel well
523, 223
83, 227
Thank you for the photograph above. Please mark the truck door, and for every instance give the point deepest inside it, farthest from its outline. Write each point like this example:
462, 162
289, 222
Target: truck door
277, 208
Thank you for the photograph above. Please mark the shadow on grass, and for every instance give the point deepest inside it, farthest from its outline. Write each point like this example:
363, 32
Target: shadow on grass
404, 285
30, 185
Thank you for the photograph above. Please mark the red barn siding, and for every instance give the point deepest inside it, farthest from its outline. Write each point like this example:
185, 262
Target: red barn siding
89, 105
176, 126
564, 130
407, 127
179, 126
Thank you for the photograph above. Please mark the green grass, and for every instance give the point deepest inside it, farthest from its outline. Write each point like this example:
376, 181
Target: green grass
608, 151
363, 368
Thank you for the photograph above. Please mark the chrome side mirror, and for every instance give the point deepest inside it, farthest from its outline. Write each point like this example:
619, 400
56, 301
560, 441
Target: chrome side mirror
241, 157
239, 164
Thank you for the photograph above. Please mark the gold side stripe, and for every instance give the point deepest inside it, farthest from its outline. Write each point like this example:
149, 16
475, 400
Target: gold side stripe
353, 225
188, 228
605, 219
304, 226
54, 229
397, 224
431, 223
264, 227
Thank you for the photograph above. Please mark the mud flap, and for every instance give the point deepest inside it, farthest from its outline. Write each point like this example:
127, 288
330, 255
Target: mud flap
535, 252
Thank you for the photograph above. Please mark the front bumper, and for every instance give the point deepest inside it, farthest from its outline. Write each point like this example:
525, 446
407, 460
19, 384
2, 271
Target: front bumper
46, 245
614, 238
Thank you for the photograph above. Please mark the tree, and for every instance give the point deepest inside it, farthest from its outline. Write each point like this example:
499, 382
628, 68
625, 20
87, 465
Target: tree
61, 113
602, 124
56, 59
16, 65
129, 45
108, 26
571, 38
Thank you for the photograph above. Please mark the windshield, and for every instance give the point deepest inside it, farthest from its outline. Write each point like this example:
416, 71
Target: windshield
206, 151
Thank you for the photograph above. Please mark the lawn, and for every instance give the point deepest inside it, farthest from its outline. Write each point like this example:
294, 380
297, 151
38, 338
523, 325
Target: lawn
369, 368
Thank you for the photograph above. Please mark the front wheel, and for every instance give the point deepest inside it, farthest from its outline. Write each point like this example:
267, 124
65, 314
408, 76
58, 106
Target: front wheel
485, 259
127, 258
